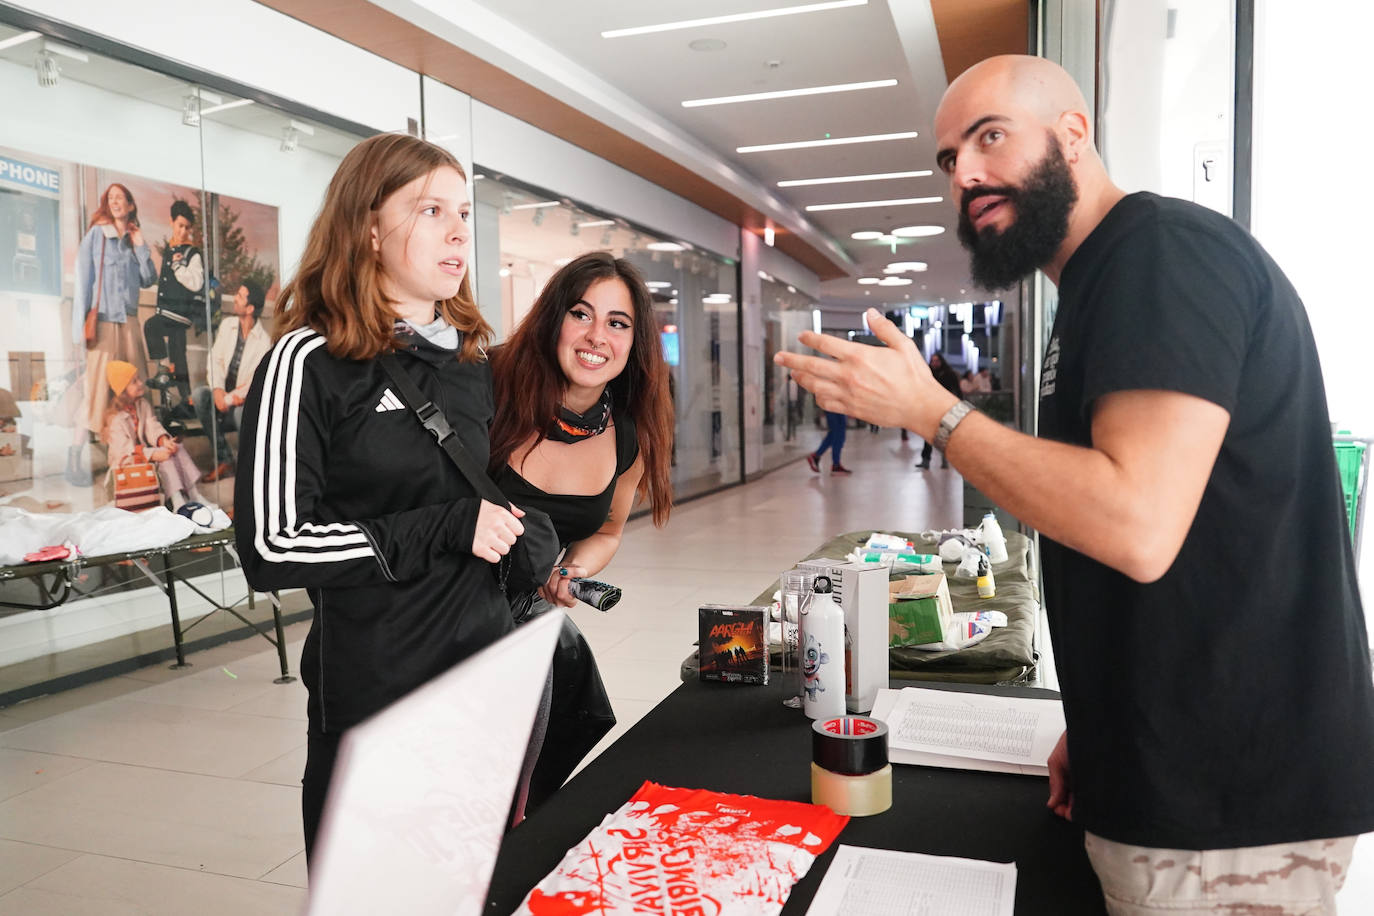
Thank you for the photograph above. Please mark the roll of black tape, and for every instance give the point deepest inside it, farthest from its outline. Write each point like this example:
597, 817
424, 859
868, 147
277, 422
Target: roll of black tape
851, 745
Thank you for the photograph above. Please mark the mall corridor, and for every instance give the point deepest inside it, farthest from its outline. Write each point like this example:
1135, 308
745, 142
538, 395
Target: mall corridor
178, 791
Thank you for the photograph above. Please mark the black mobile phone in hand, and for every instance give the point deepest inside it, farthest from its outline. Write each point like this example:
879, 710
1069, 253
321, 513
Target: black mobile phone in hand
601, 595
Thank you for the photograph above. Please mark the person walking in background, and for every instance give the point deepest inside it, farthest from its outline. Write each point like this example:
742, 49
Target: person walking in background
944, 374
835, 424
239, 346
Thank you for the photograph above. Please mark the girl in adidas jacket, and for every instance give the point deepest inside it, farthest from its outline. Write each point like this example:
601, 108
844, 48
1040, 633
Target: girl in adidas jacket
340, 490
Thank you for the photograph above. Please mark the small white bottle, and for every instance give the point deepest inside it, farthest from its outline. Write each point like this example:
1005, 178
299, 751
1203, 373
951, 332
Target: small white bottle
822, 634
993, 539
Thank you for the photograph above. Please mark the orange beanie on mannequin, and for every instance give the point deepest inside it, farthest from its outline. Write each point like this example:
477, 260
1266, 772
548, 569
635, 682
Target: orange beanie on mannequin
119, 374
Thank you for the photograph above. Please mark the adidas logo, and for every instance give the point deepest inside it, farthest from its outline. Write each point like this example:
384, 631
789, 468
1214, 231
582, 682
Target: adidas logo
389, 401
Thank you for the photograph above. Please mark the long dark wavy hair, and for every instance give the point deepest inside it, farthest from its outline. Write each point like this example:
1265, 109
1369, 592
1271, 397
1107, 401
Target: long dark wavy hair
529, 382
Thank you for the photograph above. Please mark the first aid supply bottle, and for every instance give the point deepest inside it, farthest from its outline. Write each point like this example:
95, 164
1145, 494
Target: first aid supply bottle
993, 539
987, 585
822, 651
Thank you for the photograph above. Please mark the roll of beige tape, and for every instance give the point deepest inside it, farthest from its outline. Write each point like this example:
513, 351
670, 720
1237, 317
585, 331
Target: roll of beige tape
857, 796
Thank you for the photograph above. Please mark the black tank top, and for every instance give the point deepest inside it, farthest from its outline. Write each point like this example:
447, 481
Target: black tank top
575, 516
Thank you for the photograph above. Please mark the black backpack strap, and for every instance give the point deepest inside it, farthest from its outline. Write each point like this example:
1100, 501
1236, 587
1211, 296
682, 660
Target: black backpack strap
433, 419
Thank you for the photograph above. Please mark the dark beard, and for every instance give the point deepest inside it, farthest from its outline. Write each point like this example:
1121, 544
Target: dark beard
1042, 205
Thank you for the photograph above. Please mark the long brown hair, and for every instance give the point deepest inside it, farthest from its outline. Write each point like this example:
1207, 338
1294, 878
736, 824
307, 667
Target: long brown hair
529, 382
337, 290
102, 214
119, 404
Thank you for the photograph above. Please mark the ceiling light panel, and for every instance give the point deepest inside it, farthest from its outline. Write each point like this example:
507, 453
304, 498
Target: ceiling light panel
827, 141
734, 17
860, 204
916, 232
789, 93
843, 179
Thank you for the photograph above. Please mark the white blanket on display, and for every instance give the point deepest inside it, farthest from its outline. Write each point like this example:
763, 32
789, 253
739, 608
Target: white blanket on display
95, 533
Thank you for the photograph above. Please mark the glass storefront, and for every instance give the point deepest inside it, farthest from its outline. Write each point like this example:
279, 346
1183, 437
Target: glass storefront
146, 224
787, 407
524, 235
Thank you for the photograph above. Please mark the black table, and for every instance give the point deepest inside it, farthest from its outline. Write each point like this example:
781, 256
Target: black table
743, 740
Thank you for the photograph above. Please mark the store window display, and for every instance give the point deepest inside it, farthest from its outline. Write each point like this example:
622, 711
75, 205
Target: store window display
134, 210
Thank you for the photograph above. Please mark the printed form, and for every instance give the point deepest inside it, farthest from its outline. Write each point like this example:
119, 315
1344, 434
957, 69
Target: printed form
882, 882
970, 731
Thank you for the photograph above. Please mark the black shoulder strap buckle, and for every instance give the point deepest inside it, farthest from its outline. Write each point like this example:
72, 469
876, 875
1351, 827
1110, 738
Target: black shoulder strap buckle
434, 421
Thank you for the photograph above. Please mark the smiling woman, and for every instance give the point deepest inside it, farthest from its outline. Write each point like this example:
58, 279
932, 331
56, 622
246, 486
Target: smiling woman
584, 422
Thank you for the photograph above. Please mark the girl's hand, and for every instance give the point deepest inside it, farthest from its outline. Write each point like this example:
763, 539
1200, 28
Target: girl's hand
556, 590
159, 454
496, 531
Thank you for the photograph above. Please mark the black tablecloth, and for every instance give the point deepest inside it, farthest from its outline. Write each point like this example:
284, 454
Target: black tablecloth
743, 740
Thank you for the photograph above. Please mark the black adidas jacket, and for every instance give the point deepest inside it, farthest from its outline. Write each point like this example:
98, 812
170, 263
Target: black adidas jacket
341, 491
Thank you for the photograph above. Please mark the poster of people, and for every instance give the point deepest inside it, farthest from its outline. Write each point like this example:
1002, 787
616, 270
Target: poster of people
132, 315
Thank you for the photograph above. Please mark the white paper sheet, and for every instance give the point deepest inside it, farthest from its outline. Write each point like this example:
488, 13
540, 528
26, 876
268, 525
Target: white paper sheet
422, 790
883, 882
970, 731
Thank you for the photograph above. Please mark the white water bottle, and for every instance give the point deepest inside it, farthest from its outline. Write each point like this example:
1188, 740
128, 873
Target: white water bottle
993, 539
822, 637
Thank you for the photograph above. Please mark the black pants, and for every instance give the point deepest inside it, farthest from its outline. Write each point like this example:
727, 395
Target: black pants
166, 339
320, 754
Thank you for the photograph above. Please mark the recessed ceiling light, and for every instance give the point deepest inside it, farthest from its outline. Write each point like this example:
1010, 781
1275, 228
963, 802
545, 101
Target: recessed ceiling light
596, 222
226, 106
858, 204
561, 262
665, 246
828, 141
881, 176
658, 284
916, 232
866, 235
543, 203
788, 93
898, 267
868, 281
707, 44
19, 39
733, 17
895, 281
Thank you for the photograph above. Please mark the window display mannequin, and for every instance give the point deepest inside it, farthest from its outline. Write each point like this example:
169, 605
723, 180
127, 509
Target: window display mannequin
112, 264
180, 304
131, 427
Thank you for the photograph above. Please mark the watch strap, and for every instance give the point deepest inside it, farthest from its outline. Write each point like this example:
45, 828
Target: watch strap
952, 418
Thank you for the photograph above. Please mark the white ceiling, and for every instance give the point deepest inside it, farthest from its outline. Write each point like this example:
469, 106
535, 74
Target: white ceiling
856, 44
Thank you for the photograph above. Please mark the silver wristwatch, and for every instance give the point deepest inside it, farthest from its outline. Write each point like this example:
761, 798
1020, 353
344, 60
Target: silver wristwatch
951, 419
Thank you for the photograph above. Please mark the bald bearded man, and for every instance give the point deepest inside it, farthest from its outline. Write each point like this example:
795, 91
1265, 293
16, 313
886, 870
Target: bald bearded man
1199, 578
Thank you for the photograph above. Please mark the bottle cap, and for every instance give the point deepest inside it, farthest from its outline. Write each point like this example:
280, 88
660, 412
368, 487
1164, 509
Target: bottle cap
822, 586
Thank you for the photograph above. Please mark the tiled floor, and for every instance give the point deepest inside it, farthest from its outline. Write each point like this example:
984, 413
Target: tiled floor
178, 792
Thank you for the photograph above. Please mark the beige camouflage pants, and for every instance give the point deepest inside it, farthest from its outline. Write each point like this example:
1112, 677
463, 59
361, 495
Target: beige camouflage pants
1289, 879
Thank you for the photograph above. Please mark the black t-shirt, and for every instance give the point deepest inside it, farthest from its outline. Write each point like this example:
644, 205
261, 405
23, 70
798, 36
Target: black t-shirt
575, 516
1230, 702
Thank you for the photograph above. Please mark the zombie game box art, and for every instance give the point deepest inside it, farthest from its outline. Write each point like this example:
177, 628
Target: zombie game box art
734, 644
